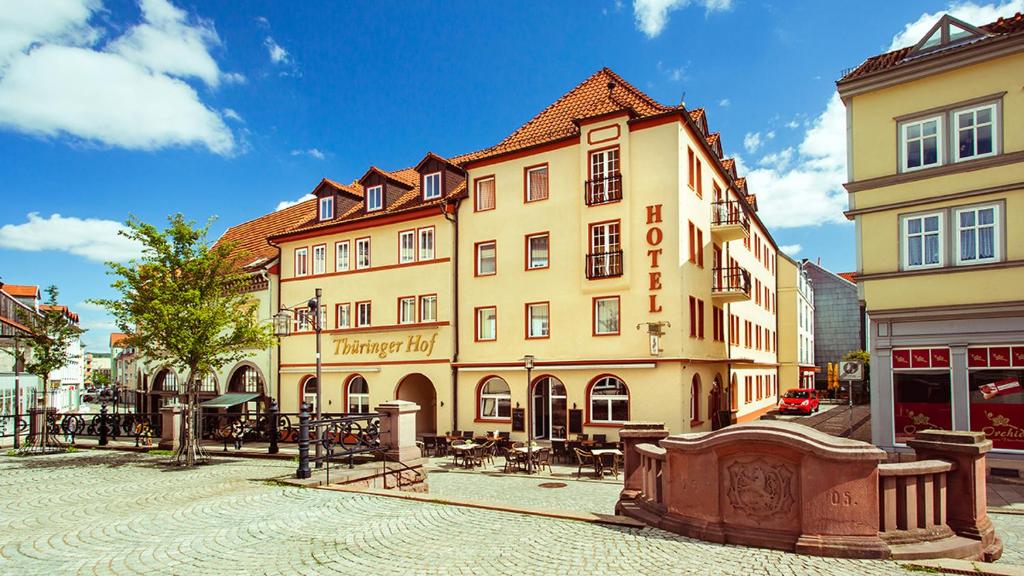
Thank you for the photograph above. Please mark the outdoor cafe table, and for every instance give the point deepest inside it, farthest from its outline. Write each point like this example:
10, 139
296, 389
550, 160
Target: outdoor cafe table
463, 449
599, 455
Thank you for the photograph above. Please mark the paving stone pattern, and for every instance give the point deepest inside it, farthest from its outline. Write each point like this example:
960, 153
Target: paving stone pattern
117, 513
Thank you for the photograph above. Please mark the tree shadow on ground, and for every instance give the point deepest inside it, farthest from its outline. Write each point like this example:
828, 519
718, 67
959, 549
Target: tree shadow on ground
104, 459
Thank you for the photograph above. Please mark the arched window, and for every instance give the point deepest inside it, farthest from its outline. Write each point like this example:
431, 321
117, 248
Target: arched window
207, 384
166, 381
247, 379
358, 396
609, 400
695, 399
309, 393
495, 399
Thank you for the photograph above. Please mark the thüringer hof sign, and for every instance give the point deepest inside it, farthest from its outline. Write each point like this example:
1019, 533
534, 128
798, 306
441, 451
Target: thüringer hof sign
382, 348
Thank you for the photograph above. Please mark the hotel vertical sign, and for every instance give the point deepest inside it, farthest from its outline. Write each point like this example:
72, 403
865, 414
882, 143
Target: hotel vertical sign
654, 238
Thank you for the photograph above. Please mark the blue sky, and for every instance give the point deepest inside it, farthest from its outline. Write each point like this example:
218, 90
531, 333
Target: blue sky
148, 107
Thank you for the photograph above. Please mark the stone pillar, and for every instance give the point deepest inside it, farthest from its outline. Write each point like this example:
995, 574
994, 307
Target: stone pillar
398, 431
882, 434
170, 427
961, 394
966, 504
632, 434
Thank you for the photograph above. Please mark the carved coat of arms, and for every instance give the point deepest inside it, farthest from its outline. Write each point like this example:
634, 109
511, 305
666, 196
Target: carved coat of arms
760, 489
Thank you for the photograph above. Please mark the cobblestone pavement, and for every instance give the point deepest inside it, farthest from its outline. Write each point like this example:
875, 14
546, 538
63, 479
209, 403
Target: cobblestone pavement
116, 513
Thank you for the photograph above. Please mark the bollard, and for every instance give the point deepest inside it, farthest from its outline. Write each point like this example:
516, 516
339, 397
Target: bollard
272, 417
104, 430
303, 470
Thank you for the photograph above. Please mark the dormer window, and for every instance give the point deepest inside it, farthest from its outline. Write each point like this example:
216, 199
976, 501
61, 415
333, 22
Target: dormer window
326, 208
374, 198
432, 186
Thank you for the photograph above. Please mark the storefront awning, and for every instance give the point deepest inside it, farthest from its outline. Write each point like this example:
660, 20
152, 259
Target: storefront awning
229, 400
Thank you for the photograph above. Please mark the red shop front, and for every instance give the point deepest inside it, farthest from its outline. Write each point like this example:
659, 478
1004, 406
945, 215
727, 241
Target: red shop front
922, 391
994, 378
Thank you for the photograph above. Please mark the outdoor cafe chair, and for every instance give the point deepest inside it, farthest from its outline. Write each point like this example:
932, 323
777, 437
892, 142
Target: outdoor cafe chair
429, 445
488, 451
457, 454
542, 459
511, 459
600, 438
467, 435
585, 459
559, 451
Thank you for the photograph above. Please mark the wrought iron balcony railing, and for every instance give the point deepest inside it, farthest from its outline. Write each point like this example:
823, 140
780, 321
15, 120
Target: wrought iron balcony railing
604, 264
603, 190
730, 280
729, 213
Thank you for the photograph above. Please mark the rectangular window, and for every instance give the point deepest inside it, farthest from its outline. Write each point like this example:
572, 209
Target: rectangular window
748, 392
487, 323
922, 241
700, 247
362, 314
303, 320
428, 308
977, 234
432, 186
693, 317
605, 180
922, 400
690, 172
301, 261
693, 242
327, 208
537, 183
700, 180
606, 315
343, 315
374, 198
341, 256
537, 251
700, 319
975, 132
921, 143
362, 253
484, 194
486, 258
320, 259
426, 246
406, 246
537, 320
407, 310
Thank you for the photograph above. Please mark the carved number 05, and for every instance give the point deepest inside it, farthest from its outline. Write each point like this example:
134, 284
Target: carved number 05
837, 498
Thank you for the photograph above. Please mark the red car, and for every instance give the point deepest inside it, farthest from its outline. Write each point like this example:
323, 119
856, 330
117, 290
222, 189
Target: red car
799, 400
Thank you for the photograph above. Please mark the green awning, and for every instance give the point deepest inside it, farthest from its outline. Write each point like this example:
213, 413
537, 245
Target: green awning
230, 399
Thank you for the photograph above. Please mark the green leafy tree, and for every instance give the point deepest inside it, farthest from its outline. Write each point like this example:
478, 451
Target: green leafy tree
100, 379
181, 303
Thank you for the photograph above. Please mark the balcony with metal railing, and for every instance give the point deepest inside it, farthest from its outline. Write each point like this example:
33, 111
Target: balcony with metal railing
604, 264
730, 284
603, 190
729, 221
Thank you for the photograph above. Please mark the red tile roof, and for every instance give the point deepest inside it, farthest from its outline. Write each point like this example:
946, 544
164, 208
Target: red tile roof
61, 308
21, 291
250, 237
999, 29
116, 338
849, 276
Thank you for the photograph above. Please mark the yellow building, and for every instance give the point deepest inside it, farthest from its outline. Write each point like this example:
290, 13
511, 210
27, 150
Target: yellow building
796, 325
609, 239
936, 189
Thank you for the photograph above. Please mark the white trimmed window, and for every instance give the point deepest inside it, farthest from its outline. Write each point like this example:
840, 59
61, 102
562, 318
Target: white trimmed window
609, 400
374, 198
362, 253
495, 399
606, 315
538, 320
487, 323
537, 183
303, 320
922, 241
407, 310
537, 251
921, 143
977, 234
301, 261
406, 246
426, 249
362, 314
326, 208
341, 256
428, 308
432, 186
486, 258
343, 315
320, 259
358, 396
975, 132
484, 194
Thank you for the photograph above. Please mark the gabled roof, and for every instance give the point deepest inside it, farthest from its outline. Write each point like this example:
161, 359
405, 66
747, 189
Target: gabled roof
993, 31
354, 189
848, 276
62, 309
251, 237
603, 93
443, 160
116, 338
21, 291
390, 177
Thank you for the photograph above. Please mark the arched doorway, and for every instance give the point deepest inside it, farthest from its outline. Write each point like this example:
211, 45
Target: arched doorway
550, 410
419, 389
165, 389
715, 407
249, 380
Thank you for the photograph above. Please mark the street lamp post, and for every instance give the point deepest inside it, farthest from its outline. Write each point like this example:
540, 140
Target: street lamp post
17, 394
528, 364
314, 306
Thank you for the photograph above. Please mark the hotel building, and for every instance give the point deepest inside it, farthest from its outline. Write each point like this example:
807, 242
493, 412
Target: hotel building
936, 190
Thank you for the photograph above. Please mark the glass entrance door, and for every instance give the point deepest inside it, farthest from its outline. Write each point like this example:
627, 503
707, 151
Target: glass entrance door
550, 409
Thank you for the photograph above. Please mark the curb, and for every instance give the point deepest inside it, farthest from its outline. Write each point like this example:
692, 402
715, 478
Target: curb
970, 568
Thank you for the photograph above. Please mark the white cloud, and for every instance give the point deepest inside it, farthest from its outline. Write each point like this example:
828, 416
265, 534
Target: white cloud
130, 92
792, 124
652, 15
791, 249
92, 238
278, 55
976, 14
288, 203
724, 103
676, 74
752, 141
311, 152
232, 114
804, 187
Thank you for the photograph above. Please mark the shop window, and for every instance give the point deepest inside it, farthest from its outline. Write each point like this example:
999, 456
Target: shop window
609, 401
922, 400
994, 378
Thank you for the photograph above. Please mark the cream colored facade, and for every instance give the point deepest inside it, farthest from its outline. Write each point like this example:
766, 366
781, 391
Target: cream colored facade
937, 195
654, 214
796, 326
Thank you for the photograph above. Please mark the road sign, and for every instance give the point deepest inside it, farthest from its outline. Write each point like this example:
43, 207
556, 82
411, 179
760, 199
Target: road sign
851, 370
